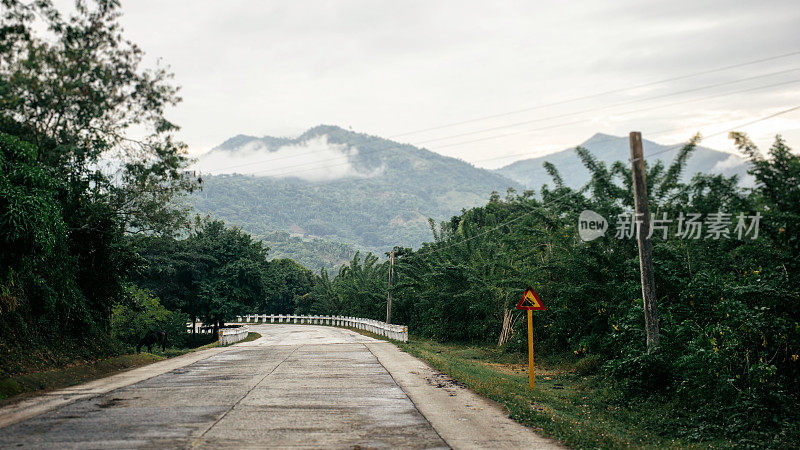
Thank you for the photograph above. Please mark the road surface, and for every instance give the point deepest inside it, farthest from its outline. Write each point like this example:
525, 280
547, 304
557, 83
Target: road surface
299, 386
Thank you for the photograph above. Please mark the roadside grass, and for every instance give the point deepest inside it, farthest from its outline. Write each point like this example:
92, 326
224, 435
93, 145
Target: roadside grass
20, 385
251, 336
581, 410
17, 386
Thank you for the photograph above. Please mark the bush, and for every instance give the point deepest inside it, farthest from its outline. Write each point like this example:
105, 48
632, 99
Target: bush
642, 374
588, 365
142, 313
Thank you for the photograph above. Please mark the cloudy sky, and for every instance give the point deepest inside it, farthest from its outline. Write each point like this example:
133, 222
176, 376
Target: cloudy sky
392, 68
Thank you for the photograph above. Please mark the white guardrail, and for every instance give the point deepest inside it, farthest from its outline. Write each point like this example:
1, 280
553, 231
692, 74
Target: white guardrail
225, 335
391, 331
231, 335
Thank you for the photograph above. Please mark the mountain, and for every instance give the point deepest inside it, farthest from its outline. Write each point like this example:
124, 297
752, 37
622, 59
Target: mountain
616, 148
313, 253
338, 185
320, 197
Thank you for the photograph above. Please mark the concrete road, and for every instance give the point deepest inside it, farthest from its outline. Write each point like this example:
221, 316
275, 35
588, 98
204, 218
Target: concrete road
298, 386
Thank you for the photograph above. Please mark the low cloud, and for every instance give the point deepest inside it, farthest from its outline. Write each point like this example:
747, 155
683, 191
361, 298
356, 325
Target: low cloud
729, 163
314, 159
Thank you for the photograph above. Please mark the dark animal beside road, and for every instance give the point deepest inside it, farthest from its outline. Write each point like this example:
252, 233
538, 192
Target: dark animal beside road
153, 337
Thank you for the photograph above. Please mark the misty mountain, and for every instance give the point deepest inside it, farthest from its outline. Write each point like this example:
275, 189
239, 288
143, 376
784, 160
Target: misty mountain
338, 185
319, 197
609, 149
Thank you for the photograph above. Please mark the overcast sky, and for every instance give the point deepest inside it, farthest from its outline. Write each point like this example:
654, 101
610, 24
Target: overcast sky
392, 67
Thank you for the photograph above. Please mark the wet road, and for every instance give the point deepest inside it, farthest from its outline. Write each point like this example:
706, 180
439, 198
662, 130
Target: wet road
298, 386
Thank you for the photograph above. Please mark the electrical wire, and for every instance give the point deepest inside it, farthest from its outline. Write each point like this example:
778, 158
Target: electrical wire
719, 69
600, 108
282, 171
737, 127
600, 94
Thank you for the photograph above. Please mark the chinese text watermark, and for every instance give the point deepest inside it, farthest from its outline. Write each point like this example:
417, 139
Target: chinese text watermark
717, 225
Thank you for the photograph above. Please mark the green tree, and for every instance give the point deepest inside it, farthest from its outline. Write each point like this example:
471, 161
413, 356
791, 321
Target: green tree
76, 177
141, 313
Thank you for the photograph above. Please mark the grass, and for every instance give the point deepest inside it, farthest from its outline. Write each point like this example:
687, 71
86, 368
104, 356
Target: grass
20, 385
13, 387
251, 336
581, 410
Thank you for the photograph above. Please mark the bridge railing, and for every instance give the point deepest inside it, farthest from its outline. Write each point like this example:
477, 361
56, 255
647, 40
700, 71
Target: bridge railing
231, 335
391, 331
200, 328
225, 335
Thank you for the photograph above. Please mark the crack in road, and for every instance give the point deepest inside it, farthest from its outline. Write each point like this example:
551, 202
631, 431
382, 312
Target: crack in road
199, 438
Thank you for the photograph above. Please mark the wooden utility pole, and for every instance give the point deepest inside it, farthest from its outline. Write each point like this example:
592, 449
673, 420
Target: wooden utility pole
642, 232
391, 279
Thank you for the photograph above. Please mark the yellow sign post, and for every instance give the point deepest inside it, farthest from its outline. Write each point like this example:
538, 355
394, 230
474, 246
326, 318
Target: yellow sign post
530, 347
530, 302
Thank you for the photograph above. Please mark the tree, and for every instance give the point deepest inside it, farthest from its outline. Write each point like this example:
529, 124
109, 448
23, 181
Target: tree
76, 91
76, 177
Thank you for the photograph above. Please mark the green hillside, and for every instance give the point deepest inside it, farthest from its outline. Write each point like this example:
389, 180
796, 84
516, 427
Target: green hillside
406, 185
313, 253
392, 191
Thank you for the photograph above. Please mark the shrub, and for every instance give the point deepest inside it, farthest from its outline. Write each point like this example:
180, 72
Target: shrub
588, 365
642, 374
142, 313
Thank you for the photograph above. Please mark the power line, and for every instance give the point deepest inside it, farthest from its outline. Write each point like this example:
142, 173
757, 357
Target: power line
737, 127
720, 69
600, 108
613, 91
516, 133
283, 170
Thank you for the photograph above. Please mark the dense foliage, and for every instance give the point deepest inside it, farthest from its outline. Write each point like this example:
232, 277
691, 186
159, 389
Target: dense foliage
730, 327
141, 313
73, 184
358, 290
217, 272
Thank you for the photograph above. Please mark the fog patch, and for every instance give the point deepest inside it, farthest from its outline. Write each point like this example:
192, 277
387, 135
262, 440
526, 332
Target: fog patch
729, 163
314, 159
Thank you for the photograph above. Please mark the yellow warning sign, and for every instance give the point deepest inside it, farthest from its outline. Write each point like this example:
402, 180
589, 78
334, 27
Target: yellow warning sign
530, 301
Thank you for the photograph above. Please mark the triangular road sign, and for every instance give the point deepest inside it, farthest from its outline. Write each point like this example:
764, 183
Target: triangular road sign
530, 301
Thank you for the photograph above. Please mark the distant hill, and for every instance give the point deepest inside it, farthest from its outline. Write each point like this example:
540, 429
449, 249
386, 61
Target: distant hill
615, 148
383, 196
313, 253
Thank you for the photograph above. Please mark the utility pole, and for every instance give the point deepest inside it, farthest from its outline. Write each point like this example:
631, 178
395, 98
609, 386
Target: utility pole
391, 279
642, 231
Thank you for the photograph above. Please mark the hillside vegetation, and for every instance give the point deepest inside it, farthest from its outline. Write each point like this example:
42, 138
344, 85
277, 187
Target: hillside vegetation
389, 206
392, 190
313, 253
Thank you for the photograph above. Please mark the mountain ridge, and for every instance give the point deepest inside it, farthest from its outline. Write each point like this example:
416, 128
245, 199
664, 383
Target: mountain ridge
609, 149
